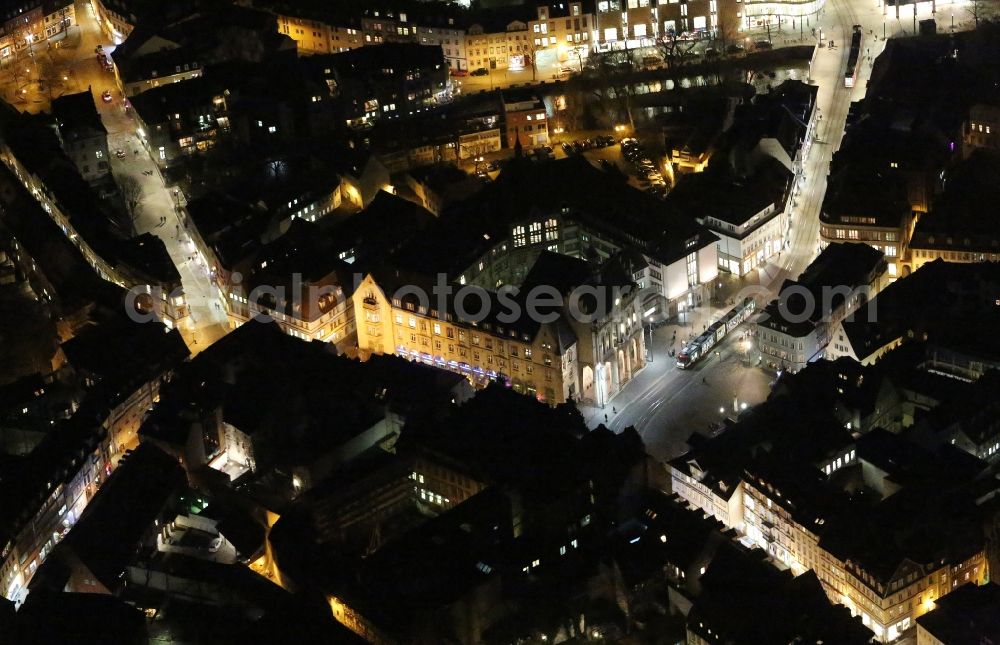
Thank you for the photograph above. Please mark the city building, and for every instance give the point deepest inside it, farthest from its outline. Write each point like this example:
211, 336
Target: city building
436, 186
954, 229
50, 487
485, 561
965, 419
870, 206
798, 469
462, 132
553, 361
561, 33
981, 130
630, 24
749, 213
365, 239
438, 24
738, 588
34, 22
902, 143
779, 15
966, 615
795, 329
525, 120
388, 81
487, 242
215, 412
117, 18
747, 165
498, 40
314, 36
95, 554
181, 119
299, 282
180, 49
929, 306
692, 132
82, 134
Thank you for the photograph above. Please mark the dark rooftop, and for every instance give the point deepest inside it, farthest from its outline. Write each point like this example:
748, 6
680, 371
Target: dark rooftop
107, 536
969, 614
573, 187
77, 112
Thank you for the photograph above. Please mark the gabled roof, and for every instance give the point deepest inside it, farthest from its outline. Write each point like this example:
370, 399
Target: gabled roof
77, 114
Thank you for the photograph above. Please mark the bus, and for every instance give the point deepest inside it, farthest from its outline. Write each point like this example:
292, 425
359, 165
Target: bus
853, 58
701, 346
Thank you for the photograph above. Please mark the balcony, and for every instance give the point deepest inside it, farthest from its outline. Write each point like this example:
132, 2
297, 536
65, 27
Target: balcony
370, 302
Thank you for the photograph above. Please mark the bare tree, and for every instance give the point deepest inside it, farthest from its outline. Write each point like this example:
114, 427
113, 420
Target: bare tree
613, 71
726, 34
532, 55
673, 50
131, 192
983, 10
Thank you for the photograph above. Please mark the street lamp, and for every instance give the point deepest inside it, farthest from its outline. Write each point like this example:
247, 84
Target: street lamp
649, 347
599, 375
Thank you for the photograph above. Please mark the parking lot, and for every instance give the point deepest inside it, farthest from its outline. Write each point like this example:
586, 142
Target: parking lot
642, 169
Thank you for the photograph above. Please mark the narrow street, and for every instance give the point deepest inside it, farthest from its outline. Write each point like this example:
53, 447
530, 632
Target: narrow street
160, 211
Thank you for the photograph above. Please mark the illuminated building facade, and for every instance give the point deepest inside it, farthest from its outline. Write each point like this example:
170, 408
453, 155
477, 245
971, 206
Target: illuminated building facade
628, 24
498, 47
33, 23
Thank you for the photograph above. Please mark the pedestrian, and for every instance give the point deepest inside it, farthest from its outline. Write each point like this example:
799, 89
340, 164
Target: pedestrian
605, 417
614, 410
703, 380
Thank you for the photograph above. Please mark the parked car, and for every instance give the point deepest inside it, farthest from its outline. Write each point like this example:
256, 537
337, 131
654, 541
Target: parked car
567, 148
711, 52
481, 71
735, 49
763, 44
494, 165
106, 96
459, 72
606, 140
120, 154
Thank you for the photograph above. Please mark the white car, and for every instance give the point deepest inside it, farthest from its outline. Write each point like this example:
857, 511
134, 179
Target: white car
106, 96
